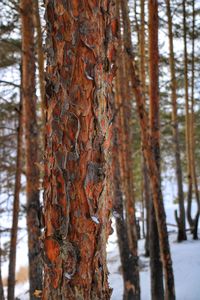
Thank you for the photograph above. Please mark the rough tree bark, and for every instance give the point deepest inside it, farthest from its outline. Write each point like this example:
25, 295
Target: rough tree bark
80, 70
150, 159
31, 143
181, 219
16, 203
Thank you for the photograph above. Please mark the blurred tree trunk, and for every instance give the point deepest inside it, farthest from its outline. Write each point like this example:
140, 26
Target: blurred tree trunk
189, 131
40, 57
146, 187
31, 142
157, 289
181, 219
125, 226
77, 205
149, 153
132, 286
192, 128
127, 262
16, 204
1, 282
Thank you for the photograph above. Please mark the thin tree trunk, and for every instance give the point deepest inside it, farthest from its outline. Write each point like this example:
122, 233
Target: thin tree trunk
150, 158
40, 57
145, 178
1, 282
181, 219
187, 121
192, 128
16, 203
31, 141
147, 197
126, 167
127, 261
157, 289
78, 134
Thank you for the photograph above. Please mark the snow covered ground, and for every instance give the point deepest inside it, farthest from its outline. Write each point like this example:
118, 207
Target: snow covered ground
186, 263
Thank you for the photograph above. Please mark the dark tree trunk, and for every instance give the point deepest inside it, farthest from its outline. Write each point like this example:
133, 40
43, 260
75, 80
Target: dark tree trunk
192, 128
181, 219
132, 287
157, 288
1, 283
31, 142
40, 58
146, 187
79, 100
147, 197
16, 203
127, 260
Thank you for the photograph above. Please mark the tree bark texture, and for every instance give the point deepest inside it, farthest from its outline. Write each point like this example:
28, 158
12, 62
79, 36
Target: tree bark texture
150, 159
79, 100
31, 143
16, 205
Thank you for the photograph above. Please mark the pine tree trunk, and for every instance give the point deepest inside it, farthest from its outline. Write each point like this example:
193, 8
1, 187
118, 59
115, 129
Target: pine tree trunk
157, 289
147, 197
16, 203
127, 261
31, 141
40, 57
150, 158
1, 283
192, 128
125, 154
187, 122
145, 178
181, 219
78, 133
156, 268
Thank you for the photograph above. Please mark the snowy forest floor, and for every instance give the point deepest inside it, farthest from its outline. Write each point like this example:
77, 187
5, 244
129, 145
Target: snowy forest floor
185, 255
186, 263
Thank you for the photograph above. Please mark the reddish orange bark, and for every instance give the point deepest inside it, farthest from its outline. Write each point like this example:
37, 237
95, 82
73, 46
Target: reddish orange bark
77, 206
157, 288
